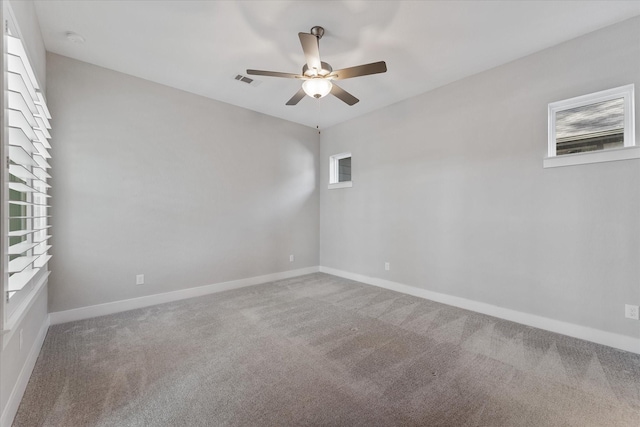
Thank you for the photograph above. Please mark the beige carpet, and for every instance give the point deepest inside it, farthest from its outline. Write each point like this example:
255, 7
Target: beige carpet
321, 350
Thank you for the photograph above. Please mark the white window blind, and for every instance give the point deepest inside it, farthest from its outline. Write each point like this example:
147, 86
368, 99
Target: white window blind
27, 164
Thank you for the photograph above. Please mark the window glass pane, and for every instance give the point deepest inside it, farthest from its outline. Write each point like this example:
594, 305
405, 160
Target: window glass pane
344, 169
597, 126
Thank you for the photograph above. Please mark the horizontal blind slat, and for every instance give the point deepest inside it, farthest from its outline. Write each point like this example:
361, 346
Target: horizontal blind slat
22, 233
22, 203
24, 188
41, 161
18, 281
21, 172
41, 138
41, 174
18, 264
21, 247
41, 239
17, 137
41, 149
17, 102
21, 157
17, 83
41, 249
18, 120
41, 113
42, 102
14, 47
42, 260
42, 126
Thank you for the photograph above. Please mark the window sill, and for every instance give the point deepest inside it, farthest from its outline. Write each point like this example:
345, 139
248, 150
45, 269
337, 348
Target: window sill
626, 153
345, 184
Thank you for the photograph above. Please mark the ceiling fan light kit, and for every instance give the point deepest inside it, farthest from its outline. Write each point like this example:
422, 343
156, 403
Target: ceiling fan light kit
317, 87
318, 77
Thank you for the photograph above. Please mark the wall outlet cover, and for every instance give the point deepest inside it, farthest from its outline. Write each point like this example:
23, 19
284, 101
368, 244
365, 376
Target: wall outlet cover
632, 312
140, 279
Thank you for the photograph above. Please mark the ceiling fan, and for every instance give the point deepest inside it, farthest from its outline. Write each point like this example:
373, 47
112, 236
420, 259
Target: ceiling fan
318, 76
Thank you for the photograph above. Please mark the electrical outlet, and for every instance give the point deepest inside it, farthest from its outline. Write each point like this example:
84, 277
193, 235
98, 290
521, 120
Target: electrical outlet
387, 266
632, 312
20, 340
140, 279
291, 258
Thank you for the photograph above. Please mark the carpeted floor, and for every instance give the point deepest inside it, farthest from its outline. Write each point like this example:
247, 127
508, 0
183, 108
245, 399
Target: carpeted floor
321, 350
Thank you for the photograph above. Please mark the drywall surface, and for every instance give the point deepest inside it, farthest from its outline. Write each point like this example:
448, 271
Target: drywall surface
183, 189
449, 188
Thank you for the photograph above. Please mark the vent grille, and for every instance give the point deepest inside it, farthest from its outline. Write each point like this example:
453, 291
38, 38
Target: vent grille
244, 79
247, 80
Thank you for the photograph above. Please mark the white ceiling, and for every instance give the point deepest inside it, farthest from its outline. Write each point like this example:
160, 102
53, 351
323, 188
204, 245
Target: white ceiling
200, 46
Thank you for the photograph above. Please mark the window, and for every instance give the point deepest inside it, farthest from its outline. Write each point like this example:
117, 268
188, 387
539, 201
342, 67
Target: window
340, 171
25, 180
598, 127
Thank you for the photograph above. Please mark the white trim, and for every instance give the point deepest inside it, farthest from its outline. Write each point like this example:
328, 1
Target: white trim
344, 184
626, 153
11, 408
333, 169
610, 339
146, 301
20, 312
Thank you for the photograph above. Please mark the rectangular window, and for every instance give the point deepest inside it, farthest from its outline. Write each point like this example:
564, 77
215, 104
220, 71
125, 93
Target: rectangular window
340, 171
592, 128
26, 187
344, 169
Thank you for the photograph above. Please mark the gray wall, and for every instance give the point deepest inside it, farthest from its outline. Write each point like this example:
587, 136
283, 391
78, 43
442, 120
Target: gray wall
449, 188
156, 181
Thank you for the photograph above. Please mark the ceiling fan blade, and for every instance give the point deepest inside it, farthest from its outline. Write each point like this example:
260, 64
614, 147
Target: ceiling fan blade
310, 46
360, 70
343, 95
274, 74
297, 97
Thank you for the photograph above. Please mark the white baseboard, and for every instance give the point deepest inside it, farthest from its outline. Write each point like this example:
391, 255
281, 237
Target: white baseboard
20, 386
146, 301
610, 339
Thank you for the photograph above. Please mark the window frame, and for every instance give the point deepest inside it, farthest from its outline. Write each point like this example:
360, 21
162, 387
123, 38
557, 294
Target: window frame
630, 150
15, 304
334, 178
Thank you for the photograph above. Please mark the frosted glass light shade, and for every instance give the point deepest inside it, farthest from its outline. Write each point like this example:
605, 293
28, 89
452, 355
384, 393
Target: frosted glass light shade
317, 87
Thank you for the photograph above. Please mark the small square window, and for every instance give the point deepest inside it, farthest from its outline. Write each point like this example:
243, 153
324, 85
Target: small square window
340, 171
592, 128
344, 169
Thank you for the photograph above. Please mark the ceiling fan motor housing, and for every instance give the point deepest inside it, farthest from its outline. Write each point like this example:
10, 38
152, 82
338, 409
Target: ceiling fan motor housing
325, 71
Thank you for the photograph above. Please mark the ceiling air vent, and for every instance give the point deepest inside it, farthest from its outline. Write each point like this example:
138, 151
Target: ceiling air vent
247, 80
